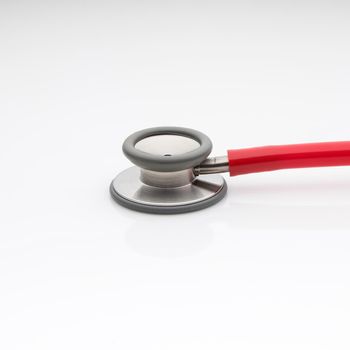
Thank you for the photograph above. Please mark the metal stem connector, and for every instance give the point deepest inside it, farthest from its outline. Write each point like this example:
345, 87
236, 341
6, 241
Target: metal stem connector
213, 165
171, 179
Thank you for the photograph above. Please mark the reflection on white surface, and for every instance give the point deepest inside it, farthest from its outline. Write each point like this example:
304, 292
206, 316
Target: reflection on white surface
186, 235
312, 200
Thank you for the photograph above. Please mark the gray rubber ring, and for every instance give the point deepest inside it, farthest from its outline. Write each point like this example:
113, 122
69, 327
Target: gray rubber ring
179, 209
163, 164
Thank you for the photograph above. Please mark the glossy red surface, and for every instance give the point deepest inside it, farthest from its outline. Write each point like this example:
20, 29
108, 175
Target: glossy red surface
269, 158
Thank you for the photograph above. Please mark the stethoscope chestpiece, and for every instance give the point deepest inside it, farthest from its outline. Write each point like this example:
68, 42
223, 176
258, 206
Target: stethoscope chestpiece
164, 180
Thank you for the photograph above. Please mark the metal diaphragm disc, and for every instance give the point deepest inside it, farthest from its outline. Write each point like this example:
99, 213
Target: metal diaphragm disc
128, 190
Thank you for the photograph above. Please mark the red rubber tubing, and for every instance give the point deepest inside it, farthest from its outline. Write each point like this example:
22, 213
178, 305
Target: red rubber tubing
269, 158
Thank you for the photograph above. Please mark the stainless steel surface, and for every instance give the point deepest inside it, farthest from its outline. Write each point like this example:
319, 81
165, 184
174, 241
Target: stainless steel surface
167, 145
167, 179
128, 185
213, 165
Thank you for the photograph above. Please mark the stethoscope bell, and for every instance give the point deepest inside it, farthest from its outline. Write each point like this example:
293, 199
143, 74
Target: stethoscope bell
165, 179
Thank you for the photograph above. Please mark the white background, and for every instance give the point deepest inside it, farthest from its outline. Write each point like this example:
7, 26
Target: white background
266, 268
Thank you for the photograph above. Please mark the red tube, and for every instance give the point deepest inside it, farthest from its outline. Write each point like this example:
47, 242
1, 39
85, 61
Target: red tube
269, 158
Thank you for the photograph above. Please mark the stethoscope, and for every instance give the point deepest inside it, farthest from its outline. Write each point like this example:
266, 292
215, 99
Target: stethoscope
173, 173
